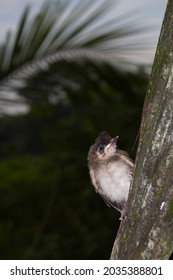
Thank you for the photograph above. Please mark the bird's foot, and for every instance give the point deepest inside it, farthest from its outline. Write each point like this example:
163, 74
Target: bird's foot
123, 213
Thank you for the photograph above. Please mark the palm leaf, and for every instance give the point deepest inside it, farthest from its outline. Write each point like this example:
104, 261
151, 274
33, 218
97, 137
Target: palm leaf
69, 31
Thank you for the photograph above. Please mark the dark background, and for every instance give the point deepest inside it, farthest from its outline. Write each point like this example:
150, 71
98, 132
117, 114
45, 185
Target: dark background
48, 209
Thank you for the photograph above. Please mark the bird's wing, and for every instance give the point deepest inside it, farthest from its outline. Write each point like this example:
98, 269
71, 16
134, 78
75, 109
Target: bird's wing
93, 179
125, 157
109, 204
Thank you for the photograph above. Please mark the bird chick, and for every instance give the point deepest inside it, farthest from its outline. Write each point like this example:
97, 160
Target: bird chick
110, 171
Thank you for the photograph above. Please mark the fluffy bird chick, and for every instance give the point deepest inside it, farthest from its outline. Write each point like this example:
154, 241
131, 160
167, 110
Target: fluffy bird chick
110, 171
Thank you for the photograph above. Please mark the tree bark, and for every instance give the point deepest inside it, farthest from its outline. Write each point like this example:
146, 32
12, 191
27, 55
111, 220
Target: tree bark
147, 232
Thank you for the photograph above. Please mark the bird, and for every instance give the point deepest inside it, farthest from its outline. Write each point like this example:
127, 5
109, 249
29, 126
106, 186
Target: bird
111, 171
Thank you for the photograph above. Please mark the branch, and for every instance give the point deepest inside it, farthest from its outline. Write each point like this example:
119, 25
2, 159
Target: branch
147, 232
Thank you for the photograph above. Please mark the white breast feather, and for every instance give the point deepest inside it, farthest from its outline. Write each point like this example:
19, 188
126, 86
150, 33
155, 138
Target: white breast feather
114, 181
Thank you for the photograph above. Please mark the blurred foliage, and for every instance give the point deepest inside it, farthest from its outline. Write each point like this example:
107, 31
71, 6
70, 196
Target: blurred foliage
70, 25
68, 68
66, 31
48, 208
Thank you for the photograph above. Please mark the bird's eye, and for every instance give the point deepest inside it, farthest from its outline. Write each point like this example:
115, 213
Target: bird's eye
101, 149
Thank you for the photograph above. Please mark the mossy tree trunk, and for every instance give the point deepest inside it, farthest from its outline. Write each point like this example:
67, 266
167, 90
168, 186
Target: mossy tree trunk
148, 231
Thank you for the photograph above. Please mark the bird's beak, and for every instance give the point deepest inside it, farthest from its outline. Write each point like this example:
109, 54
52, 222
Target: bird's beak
112, 143
114, 140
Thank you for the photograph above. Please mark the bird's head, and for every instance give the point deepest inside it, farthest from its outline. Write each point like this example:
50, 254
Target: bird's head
105, 146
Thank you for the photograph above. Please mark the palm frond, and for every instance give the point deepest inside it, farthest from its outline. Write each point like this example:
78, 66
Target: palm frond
70, 31
64, 26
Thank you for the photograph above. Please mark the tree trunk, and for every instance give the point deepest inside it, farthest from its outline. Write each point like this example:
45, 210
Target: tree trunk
147, 232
